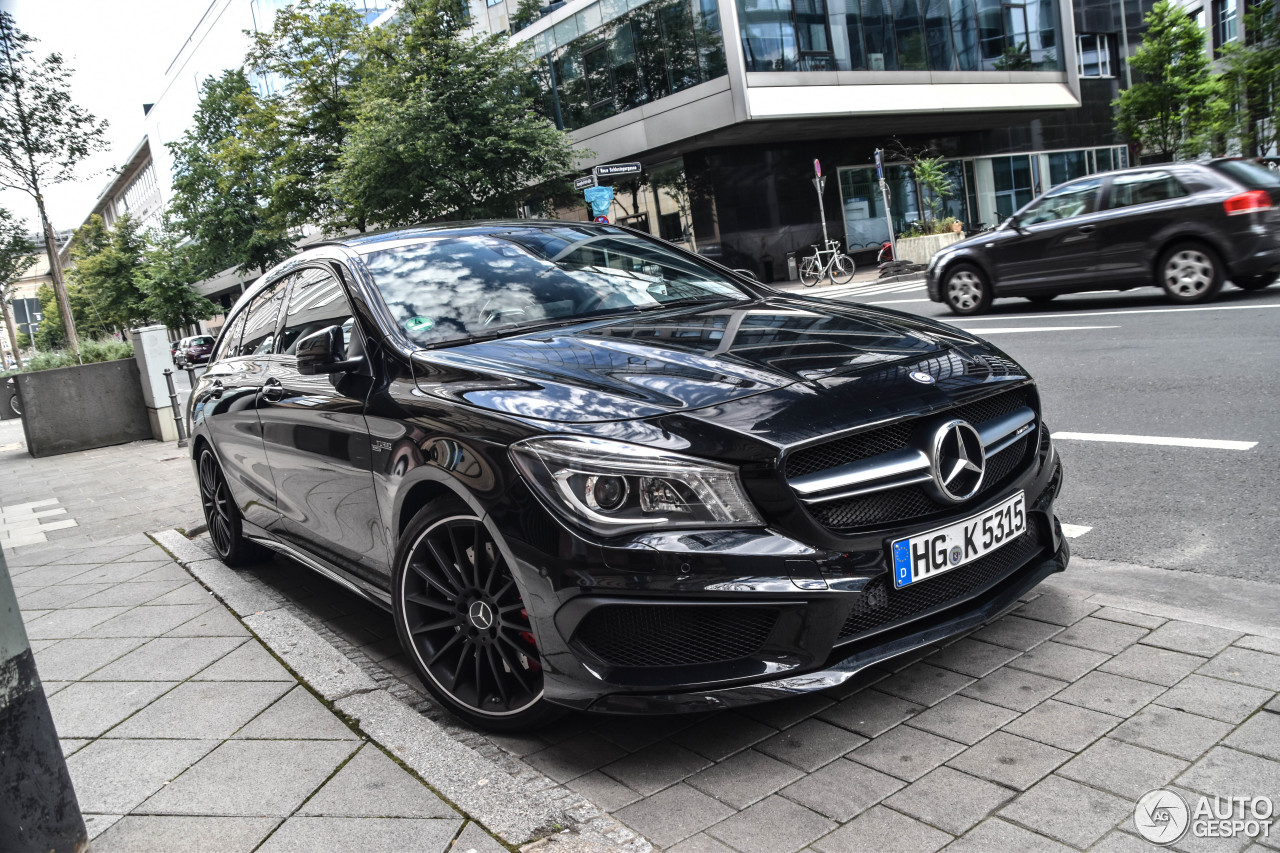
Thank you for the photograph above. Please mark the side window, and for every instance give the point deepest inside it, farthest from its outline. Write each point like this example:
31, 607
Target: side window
316, 302
1065, 202
260, 320
229, 343
1143, 188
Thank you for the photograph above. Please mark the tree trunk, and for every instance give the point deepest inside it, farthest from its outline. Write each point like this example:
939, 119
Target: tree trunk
59, 285
8, 324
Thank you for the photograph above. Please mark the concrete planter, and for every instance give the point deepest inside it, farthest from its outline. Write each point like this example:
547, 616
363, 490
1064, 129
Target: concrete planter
918, 250
78, 408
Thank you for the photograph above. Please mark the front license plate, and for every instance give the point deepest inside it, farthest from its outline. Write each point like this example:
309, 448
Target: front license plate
928, 555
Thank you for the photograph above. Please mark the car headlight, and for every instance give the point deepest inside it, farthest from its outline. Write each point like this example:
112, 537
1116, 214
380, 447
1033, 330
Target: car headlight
611, 487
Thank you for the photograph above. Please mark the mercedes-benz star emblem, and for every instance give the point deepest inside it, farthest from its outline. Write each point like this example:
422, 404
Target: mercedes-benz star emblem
921, 376
480, 615
958, 461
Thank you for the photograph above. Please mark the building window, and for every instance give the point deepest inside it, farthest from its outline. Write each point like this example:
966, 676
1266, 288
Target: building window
1225, 31
1093, 55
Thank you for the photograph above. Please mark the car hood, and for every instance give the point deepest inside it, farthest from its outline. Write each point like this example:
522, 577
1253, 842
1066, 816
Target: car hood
679, 360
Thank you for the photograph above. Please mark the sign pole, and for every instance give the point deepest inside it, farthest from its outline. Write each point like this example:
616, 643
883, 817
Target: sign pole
884, 194
819, 184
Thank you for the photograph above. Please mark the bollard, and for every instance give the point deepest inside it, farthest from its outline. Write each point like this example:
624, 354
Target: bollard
177, 412
38, 808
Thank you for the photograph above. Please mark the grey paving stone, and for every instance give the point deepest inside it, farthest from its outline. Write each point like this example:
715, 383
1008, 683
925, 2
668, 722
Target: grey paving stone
1017, 633
1067, 811
1102, 635
1122, 842
997, 836
72, 745
43, 576
184, 834
114, 776
575, 756
1009, 760
129, 594
188, 592
473, 839
1149, 663
633, 733
1130, 617
1057, 608
57, 596
62, 624
655, 767
358, 835
788, 712
118, 572
880, 829
1111, 694
168, 572
1260, 735
165, 658
1270, 645
251, 777
250, 662
216, 622
1212, 697
1244, 666
212, 709
744, 778
1065, 726
842, 789
1192, 639
870, 712
96, 824
962, 719
1123, 769
906, 752
1013, 688
1169, 730
950, 800
606, 792
673, 815
299, 716
87, 709
71, 660
701, 843
372, 785
973, 657
923, 683
1056, 660
775, 825
147, 621
1223, 770
722, 735
811, 744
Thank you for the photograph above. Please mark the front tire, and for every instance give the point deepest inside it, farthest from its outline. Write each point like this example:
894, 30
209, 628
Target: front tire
842, 270
222, 516
1190, 273
1254, 282
966, 290
461, 620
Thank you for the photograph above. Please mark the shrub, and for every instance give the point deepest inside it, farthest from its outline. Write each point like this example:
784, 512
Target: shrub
91, 352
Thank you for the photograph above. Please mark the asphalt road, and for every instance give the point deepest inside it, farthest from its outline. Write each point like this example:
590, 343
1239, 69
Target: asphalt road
1135, 364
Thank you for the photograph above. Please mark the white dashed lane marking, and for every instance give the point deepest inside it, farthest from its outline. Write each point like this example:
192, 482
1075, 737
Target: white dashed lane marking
1164, 441
1074, 531
985, 332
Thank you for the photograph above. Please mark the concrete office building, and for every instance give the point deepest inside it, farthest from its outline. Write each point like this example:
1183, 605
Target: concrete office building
727, 103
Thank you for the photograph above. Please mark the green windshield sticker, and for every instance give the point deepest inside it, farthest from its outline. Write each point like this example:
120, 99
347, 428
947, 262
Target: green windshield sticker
418, 324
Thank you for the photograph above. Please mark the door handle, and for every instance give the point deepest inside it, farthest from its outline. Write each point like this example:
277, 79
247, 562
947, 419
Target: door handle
1087, 229
272, 390
216, 390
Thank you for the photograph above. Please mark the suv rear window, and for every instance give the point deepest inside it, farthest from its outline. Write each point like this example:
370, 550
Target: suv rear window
1252, 175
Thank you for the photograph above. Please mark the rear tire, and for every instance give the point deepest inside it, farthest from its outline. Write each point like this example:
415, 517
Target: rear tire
1190, 273
810, 271
1254, 282
463, 624
842, 270
966, 290
222, 516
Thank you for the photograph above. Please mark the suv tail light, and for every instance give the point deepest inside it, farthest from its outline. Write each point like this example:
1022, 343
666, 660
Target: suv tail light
1247, 202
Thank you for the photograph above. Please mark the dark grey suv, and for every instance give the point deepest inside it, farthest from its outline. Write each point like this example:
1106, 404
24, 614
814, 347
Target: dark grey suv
1186, 227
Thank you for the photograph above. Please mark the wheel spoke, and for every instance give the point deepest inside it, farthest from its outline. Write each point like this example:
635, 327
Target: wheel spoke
459, 664
435, 626
440, 651
450, 569
477, 551
513, 665
498, 680
422, 600
460, 555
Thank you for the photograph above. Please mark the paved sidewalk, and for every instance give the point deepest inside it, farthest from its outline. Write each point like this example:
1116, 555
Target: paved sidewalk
182, 732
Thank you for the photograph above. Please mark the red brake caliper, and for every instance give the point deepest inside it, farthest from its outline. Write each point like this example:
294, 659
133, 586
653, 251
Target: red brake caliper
527, 636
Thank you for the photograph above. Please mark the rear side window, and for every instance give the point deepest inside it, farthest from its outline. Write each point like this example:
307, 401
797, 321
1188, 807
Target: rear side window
316, 302
1144, 188
1252, 175
260, 320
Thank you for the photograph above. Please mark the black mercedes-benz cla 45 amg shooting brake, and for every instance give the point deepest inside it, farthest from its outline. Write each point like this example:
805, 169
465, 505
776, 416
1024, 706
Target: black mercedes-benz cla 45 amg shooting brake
584, 469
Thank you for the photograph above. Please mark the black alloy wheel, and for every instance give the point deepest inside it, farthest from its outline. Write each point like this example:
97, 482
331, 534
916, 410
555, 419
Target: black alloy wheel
222, 516
461, 618
1254, 282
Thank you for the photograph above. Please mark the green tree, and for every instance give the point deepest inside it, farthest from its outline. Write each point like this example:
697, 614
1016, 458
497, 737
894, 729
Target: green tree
937, 187
51, 334
16, 256
222, 187
164, 280
1251, 75
444, 123
1177, 104
104, 292
44, 135
314, 51
527, 11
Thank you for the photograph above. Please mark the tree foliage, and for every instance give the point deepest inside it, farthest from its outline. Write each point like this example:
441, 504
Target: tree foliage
1177, 104
51, 333
104, 292
1251, 75
16, 256
44, 135
164, 279
444, 123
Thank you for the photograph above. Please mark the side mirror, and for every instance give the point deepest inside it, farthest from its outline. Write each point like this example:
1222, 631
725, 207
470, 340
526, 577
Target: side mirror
1013, 223
324, 352
747, 274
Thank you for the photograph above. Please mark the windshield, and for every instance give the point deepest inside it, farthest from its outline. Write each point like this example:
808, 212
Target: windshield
450, 288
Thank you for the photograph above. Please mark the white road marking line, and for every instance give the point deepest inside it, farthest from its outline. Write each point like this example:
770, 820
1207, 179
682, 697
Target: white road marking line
985, 332
898, 301
1130, 311
1212, 443
1074, 531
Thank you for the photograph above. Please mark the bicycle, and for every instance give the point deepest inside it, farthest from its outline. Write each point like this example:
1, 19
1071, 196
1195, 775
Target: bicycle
839, 266
13, 400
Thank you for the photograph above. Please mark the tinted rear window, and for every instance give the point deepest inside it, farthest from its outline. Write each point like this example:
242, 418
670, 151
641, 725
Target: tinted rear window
1252, 175
200, 342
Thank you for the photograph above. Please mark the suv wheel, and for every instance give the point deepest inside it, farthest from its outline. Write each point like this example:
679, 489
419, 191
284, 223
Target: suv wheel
222, 516
1254, 282
1189, 273
462, 621
966, 290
